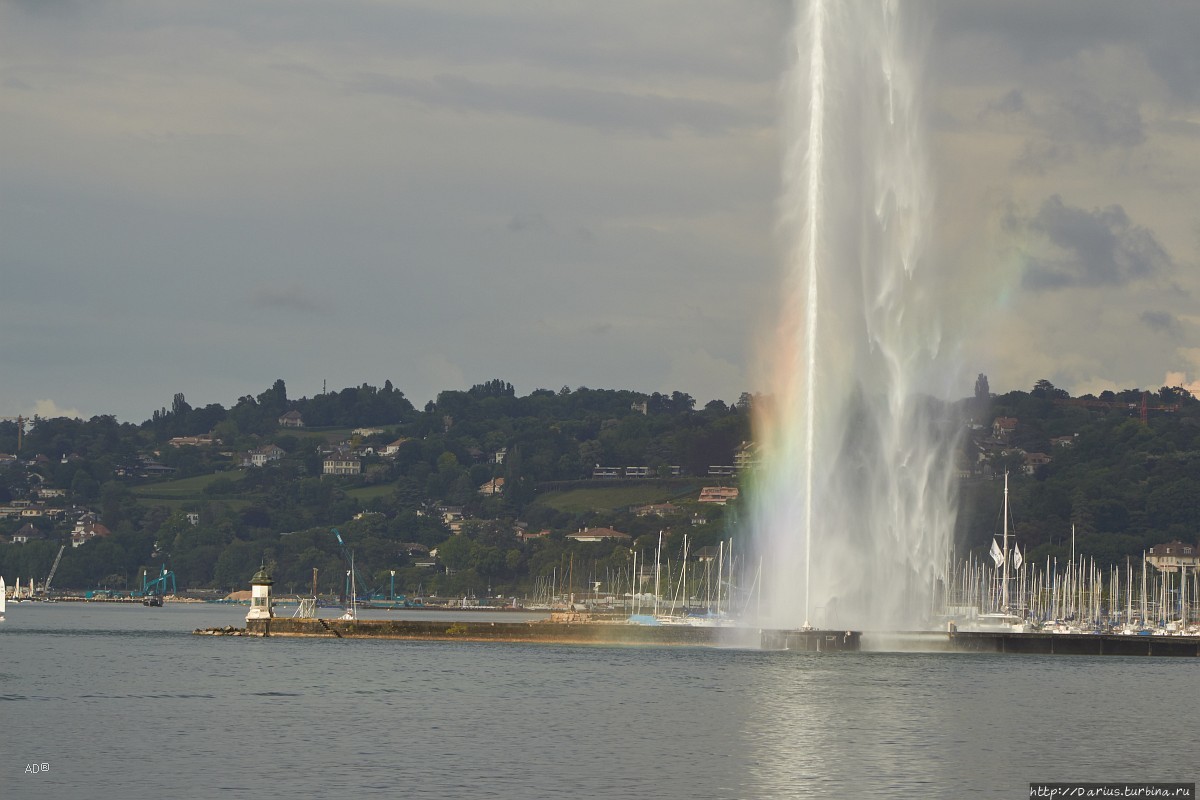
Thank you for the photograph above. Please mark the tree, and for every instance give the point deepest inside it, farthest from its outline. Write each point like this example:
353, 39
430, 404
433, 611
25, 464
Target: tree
493, 388
1046, 390
682, 402
274, 400
84, 487
982, 404
715, 408
455, 552
982, 392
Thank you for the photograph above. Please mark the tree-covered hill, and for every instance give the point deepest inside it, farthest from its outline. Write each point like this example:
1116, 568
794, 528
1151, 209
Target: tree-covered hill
178, 489
493, 482
1124, 477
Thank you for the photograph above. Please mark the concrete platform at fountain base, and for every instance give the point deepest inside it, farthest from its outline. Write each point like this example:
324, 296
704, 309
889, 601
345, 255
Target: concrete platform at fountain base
811, 641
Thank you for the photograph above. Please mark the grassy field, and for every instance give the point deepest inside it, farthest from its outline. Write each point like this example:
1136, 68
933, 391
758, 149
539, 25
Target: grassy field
174, 494
607, 498
321, 434
371, 492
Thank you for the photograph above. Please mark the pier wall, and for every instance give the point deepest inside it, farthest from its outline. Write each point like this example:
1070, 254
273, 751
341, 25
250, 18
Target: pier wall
601, 633
1079, 644
552, 632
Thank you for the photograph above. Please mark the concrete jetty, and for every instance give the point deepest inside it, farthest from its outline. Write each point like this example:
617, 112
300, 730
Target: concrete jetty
548, 632
583, 632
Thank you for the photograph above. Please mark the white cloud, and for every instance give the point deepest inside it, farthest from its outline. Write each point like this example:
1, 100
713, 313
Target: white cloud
1181, 379
1190, 355
48, 409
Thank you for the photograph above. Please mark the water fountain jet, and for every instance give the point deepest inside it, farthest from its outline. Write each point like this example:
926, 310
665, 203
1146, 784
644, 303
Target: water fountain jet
853, 504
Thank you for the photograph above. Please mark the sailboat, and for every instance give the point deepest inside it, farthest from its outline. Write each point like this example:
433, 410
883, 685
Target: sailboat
352, 611
3, 601
1005, 620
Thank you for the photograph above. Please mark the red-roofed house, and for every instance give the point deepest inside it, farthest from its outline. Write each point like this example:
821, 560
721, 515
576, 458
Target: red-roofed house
598, 535
86, 531
1003, 427
494, 486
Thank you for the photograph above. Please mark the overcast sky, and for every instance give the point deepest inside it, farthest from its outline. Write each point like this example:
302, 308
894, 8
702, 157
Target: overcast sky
204, 197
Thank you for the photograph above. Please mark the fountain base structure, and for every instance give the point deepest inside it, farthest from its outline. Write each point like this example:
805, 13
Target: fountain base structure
810, 640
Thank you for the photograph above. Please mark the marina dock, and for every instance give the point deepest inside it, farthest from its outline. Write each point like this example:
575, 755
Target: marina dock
1075, 644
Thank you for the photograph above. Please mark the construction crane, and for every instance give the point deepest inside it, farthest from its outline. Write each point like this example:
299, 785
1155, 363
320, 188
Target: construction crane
353, 577
20, 428
1132, 408
153, 590
53, 569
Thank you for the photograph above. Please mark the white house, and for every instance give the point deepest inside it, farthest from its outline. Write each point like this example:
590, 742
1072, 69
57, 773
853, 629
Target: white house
261, 456
342, 463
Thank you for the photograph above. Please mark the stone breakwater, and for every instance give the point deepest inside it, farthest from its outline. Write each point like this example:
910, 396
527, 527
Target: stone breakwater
228, 630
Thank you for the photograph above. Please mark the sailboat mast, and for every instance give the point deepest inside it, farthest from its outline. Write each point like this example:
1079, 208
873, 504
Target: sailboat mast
657, 571
1004, 565
633, 586
353, 590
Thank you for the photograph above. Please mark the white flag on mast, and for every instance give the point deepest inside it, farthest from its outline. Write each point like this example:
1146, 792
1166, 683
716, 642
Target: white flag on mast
1017, 559
996, 554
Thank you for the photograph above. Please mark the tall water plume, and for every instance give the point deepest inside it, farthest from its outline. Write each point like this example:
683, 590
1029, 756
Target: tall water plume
853, 503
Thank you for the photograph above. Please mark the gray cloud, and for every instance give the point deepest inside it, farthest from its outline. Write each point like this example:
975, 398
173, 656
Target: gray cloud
284, 298
1101, 247
1034, 34
1010, 103
528, 222
158, 154
1171, 48
1098, 121
48, 7
1161, 322
608, 111
1079, 120
1039, 156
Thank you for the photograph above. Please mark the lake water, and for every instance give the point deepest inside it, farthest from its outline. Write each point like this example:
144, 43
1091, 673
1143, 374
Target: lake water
122, 701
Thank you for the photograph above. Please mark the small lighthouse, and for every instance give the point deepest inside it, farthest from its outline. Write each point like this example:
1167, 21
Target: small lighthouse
260, 595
